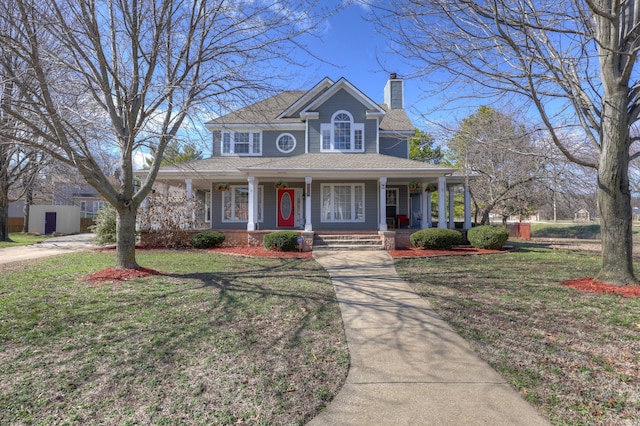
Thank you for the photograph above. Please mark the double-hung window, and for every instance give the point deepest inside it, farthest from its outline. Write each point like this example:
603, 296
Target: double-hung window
342, 134
241, 143
235, 204
343, 203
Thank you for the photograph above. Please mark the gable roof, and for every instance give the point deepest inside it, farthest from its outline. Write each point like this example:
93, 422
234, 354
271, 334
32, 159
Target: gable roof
295, 109
343, 83
290, 107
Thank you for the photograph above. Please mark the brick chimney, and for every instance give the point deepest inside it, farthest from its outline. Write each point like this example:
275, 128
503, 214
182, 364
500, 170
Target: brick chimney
394, 92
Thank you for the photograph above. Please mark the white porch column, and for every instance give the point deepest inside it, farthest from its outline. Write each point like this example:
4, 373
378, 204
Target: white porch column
424, 210
252, 216
452, 211
189, 189
382, 225
442, 208
429, 209
467, 206
308, 226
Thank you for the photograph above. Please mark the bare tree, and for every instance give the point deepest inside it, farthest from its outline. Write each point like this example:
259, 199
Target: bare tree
572, 60
18, 163
126, 74
501, 153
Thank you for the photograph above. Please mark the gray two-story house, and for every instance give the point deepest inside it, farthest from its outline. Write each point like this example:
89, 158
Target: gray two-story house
324, 159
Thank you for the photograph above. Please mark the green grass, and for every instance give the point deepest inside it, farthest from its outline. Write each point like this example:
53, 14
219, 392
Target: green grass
20, 239
570, 230
215, 340
572, 354
565, 230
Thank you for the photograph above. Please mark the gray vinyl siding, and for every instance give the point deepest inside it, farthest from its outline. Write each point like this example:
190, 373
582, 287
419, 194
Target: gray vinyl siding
269, 138
216, 141
342, 100
270, 208
394, 146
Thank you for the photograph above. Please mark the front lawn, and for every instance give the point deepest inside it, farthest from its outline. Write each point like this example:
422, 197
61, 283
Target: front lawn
218, 339
574, 355
21, 239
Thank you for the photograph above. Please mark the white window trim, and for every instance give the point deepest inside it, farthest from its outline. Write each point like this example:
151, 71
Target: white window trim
353, 201
295, 143
330, 128
232, 149
233, 203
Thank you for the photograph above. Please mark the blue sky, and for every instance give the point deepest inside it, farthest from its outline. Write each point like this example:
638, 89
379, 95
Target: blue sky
359, 54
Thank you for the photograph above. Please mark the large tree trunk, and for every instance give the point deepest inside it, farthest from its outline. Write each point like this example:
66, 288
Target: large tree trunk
4, 224
27, 208
614, 198
126, 237
4, 210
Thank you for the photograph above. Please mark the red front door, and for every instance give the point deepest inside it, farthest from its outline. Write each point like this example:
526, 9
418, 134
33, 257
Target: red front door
286, 216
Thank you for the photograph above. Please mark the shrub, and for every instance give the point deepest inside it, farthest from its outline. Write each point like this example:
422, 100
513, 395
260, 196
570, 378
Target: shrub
105, 226
435, 238
167, 218
281, 241
487, 237
205, 240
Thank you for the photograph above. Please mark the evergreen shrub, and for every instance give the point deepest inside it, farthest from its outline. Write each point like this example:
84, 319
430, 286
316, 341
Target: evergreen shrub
487, 237
204, 240
435, 238
281, 241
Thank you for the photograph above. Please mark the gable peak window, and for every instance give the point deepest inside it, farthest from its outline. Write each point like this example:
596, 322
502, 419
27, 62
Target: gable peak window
241, 142
342, 134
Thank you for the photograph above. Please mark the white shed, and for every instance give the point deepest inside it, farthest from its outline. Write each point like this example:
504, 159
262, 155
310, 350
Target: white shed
48, 219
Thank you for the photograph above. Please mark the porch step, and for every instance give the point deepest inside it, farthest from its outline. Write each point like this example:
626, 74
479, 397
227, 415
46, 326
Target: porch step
370, 241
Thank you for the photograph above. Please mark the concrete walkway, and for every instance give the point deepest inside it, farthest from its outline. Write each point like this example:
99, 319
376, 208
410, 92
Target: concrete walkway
49, 247
408, 367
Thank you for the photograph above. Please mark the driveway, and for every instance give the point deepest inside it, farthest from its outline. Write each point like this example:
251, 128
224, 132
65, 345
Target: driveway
50, 247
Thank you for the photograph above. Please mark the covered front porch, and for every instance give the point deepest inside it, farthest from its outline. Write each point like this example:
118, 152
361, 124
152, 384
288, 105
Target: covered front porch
314, 193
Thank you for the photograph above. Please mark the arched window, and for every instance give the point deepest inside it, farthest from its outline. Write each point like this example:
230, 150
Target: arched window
342, 134
341, 131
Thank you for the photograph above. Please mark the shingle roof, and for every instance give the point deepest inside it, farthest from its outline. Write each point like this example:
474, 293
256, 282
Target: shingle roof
265, 112
395, 120
339, 161
305, 164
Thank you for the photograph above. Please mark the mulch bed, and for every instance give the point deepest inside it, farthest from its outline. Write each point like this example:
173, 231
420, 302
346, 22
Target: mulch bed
260, 251
585, 284
454, 251
593, 286
115, 274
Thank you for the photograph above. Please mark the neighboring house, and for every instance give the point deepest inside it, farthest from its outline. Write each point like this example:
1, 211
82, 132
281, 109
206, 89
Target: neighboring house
81, 195
582, 215
325, 159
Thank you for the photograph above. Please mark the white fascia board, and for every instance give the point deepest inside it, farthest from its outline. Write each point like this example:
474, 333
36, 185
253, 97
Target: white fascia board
323, 84
258, 127
309, 115
343, 83
374, 115
398, 132
349, 174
